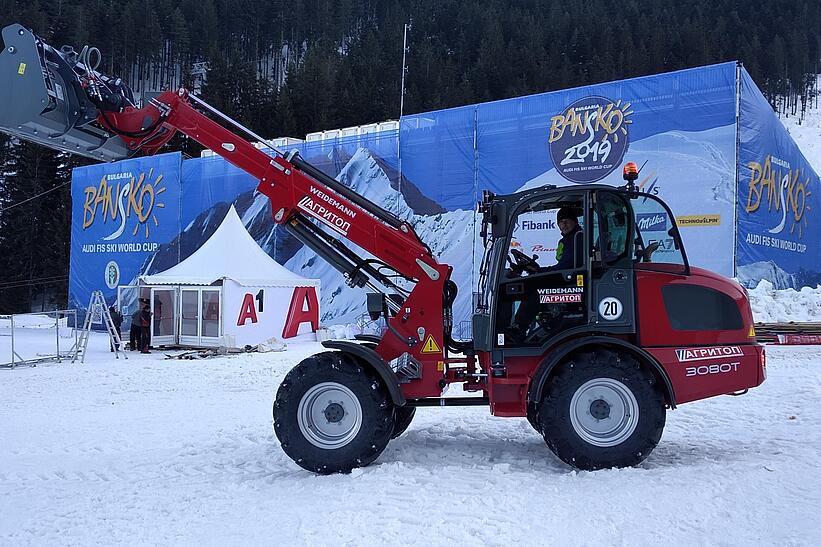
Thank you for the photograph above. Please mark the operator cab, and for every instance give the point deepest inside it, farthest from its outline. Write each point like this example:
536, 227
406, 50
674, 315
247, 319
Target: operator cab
533, 294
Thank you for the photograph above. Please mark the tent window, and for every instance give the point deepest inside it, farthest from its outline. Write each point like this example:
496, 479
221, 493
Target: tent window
210, 313
190, 312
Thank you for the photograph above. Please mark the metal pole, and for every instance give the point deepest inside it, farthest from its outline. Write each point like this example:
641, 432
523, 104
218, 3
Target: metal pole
401, 113
76, 338
57, 328
12, 339
404, 57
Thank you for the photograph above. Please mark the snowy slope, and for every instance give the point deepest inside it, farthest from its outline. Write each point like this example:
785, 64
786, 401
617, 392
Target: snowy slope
807, 135
182, 453
696, 158
749, 275
448, 234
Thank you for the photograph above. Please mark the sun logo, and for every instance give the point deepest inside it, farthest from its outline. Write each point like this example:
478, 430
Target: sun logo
139, 196
150, 191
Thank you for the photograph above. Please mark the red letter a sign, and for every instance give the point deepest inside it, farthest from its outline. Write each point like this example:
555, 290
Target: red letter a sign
247, 311
304, 309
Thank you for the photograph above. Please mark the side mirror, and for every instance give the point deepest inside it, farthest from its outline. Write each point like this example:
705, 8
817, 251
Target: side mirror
499, 221
674, 233
376, 305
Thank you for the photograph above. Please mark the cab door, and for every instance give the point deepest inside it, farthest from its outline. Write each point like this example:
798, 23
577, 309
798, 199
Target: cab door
532, 307
612, 306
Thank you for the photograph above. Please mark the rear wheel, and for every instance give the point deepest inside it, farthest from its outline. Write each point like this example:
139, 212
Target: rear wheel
533, 417
331, 414
602, 409
402, 419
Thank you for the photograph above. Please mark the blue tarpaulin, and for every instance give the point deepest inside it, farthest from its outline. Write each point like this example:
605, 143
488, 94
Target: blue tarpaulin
719, 162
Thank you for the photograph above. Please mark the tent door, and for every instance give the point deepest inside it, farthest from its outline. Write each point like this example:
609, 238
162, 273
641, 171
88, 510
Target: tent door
200, 323
127, 299
163, 303
190, 317
210, 334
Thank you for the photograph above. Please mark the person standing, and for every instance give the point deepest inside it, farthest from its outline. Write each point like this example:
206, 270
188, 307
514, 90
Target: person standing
145, 329
134, 334
158, 317
117, 320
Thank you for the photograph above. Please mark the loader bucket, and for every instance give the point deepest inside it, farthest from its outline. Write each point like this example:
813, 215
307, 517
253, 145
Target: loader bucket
42, 101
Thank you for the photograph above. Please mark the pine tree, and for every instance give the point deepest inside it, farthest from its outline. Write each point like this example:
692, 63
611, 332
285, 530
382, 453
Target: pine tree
35, 230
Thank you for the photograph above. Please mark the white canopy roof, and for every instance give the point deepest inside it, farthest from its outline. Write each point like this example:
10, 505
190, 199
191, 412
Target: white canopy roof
230, 253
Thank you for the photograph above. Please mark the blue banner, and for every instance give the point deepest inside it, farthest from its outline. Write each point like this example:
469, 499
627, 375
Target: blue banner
122, 214
778, 200
680, 127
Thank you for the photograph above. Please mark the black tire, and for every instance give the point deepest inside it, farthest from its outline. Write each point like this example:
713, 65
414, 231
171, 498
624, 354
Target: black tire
403, 416
609, 385
533, 417
349, 393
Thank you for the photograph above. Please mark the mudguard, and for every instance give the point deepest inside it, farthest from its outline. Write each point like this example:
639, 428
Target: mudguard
558, 354
377, 364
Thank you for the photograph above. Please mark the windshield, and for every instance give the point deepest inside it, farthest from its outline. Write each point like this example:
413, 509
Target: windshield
657, 239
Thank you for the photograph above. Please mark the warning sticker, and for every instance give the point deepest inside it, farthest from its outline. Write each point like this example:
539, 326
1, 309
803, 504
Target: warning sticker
21, 69
431, 346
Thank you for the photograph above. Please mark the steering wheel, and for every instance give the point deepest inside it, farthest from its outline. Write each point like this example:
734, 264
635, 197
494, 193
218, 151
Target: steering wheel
522, 263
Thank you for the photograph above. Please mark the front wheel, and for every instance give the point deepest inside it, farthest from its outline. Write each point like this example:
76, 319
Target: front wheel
602, 409
332, 415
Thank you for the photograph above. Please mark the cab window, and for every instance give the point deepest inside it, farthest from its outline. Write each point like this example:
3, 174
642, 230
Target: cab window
536, 233
657, 240
611, 227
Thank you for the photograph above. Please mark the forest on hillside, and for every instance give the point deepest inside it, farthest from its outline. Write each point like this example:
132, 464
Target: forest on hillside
286, 68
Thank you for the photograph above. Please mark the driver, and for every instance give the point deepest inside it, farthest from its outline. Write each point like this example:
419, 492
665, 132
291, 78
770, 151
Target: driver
567, 220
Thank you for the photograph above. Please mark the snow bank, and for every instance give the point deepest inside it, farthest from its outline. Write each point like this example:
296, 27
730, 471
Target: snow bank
782, 306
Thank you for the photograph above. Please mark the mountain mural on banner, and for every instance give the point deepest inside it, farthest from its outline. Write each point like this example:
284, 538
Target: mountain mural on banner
448, 233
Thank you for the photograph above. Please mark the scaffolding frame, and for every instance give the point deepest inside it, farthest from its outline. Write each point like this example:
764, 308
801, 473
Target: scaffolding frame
59, 355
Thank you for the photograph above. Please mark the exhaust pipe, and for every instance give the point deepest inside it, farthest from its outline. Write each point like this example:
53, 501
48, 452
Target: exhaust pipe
42, 99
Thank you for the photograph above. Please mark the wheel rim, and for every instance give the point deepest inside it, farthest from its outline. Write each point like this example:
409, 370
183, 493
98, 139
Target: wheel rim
604, 412
329, 415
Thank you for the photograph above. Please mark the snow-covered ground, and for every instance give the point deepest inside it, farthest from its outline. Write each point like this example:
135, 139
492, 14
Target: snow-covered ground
153, 451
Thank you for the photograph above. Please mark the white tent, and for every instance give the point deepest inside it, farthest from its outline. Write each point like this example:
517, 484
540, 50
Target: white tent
230, 292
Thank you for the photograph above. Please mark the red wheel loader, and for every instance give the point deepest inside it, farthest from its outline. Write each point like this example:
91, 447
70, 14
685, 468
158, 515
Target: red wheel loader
592, 350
